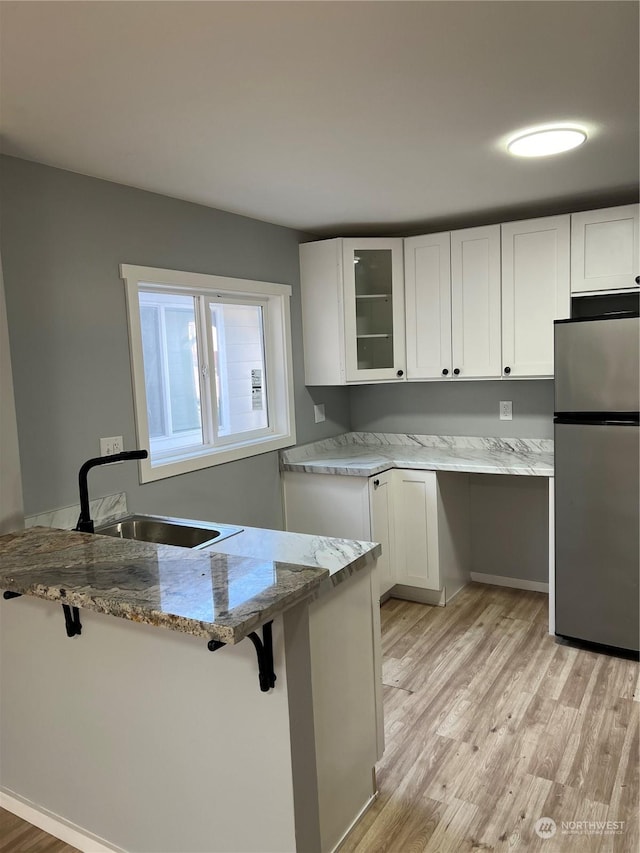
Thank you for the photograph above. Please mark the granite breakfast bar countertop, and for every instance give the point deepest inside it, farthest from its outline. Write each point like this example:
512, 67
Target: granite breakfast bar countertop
340, 557
153, 707
205, 593
366, 454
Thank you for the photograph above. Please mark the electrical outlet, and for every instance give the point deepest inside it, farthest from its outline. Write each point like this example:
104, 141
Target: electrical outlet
110, 446
318, 413
506, 410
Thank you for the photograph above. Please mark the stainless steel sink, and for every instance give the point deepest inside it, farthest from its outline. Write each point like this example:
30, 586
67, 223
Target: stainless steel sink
168, 531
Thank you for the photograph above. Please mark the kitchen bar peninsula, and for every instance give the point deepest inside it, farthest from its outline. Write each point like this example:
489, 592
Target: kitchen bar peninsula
136, 736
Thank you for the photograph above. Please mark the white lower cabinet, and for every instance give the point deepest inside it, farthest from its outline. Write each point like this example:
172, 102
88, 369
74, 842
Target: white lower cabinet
383, 527
432, 534
421, 519
416, 520
327, 505
344, 507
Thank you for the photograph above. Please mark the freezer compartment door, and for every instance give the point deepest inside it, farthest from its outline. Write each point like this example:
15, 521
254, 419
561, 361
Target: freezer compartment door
597, 365
597, 533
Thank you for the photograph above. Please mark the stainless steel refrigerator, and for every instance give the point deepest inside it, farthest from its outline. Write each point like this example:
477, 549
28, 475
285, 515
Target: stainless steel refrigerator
597, 474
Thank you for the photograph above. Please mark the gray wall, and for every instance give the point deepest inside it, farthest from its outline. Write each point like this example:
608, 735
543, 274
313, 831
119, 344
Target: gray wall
11, 517
62, 238
455, 408
508, 515
510, 526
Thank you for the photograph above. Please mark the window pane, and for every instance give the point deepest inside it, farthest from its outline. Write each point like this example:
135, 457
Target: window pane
171, 371
152, 353
182, 358
240, 375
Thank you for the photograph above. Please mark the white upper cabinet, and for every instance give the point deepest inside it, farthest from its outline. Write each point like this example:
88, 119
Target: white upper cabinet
452, 288
427, 269
352, 310
374, 309
475, 302
535, 292
604, 249
322, 312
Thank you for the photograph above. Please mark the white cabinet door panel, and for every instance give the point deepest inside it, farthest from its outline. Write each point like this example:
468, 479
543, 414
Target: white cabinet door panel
382, 530
475, 295
373, 270
535, 292
604, 249
428, 306
322, 312
416, 529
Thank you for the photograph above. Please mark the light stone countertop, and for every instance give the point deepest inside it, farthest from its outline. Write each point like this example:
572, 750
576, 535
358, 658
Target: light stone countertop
340, 557
367, 454
220, 596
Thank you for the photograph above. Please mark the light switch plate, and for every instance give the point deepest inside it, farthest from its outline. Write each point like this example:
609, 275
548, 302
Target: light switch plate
318, 413
506, 410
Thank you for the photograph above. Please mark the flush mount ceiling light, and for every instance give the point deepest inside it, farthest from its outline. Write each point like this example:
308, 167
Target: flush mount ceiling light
544, 141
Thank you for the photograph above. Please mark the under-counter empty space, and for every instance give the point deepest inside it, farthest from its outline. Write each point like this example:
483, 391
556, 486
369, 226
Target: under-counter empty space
509, 530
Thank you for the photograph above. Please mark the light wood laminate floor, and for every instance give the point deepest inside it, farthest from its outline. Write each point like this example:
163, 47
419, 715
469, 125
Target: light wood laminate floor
491, 725
18, 836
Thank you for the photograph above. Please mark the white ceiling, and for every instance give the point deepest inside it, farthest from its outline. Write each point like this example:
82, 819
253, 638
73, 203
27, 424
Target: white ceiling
331, 117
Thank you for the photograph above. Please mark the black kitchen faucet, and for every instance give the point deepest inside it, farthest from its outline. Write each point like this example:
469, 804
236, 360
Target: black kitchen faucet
85, 523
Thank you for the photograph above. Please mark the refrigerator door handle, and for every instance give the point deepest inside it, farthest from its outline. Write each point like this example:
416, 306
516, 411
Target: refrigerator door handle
598, 418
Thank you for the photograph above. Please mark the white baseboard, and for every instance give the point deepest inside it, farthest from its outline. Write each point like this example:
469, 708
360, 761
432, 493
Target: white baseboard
514, 583
55, 825
434, 597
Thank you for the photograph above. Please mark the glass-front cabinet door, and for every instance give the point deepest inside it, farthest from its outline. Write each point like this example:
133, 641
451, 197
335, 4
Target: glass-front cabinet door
374, 309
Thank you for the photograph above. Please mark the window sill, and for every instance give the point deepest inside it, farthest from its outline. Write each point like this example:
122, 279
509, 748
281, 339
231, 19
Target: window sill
162, 469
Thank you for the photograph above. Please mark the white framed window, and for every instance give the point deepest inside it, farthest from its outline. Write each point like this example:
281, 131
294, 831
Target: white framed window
212, 368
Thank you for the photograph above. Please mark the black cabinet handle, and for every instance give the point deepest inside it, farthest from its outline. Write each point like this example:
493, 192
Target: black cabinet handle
445, 372
507, 370
399, 372
376, 483
638, 279
456, 371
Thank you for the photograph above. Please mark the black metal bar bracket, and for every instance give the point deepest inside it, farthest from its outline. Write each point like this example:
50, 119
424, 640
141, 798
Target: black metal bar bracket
72, 620
71, 614
264, 653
